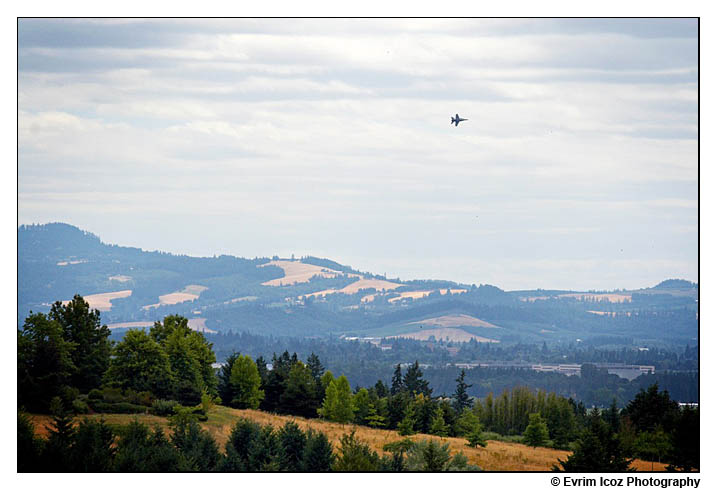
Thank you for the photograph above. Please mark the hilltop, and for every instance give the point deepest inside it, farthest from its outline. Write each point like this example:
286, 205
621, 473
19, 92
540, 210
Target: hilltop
311, 296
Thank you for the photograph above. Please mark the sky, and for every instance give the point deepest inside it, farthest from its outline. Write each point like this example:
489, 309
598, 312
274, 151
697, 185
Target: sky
577, 167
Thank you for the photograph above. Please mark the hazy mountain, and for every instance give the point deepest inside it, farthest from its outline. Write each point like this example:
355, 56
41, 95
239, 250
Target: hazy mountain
318, 297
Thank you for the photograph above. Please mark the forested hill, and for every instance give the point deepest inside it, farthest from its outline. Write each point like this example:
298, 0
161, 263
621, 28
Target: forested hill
310, 296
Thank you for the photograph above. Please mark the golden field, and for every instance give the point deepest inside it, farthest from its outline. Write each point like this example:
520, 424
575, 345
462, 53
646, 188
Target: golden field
496, 456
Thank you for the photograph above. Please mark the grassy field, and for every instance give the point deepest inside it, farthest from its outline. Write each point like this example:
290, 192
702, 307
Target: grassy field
496, 456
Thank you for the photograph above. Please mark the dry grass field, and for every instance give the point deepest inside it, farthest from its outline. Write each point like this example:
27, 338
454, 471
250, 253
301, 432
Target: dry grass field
496, 456
136, 324
299, 272
455, 321
452, 333
103, 301
187, 294
360, 284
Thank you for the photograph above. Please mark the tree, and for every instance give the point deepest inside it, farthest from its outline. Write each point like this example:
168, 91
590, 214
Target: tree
597, 450
57, 454
44, 362
653, 444
650, 409
406, 426
476, 438
315, 366
292, 442
245, 382
438, 426
300, 395
397, 384
355, 456
413, 381
536, 433
345, 401
466, 423
81, 326
139, 363
363, 406
224, 387
461, 396
29, 447
93, 449
318, 454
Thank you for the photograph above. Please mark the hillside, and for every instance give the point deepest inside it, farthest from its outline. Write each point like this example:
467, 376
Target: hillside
497, 456
310, 297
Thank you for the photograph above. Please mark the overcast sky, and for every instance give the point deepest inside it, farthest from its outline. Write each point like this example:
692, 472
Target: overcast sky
577, 167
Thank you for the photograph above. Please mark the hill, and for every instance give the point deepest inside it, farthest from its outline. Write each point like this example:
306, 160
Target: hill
497, 456
310, 297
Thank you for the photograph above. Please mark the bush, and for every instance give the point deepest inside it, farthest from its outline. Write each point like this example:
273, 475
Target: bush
80, 407
95, 395
119, 407
163, 407
142, 398
112, 395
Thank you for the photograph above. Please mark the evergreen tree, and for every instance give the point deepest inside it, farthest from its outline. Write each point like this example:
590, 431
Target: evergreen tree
292, 442
318, 454
81, 326
93, 449
536, 433
362, 406
414, 383
329, 405
224, 386
461, 396
397, 384
597, 450
29, 447
44, 362
245, 383
315, 366
57, 454
438, 425
406, 426
300, 395
355, 456
381, 389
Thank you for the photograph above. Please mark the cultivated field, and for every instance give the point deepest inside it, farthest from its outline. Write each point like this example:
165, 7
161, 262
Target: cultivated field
103, 301
119, 325
361, 284
497, 456
187, 294
452, 333
455, 321
298, 272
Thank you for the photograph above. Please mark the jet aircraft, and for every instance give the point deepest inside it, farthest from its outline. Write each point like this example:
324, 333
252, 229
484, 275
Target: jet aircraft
456, 120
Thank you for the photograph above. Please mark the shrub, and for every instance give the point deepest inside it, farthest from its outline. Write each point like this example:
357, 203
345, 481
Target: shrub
80, 407
119, 407
112, 395
163, 407
95, 395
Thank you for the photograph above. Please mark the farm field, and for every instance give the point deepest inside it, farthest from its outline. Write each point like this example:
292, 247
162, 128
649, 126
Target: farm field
455, 321
496, 456
450, 333
298, 272
103, 301
187, 294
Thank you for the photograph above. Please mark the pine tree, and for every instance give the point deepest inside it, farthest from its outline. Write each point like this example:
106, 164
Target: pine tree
318, 454
344, 411
461, 397
438, 425
406, 426
397, 384
329, 405
536, 433
414, 383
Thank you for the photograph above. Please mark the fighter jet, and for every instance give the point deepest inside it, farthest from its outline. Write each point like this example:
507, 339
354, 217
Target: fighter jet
456, 120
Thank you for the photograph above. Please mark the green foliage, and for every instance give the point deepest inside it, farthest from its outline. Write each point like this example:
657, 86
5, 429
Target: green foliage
224, 386
536, 433
461, 396
118, 408
355, 456
318, 454
597, 450
362, 406
164, 407
80, 407
300, 395
91, 354
245, 382
413, 381
653, 445
475, 438
197, 447
140, 363
93, 450
438, 426
139, 450
292, 442
406, 426
29, 447
44, 362
338, 405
